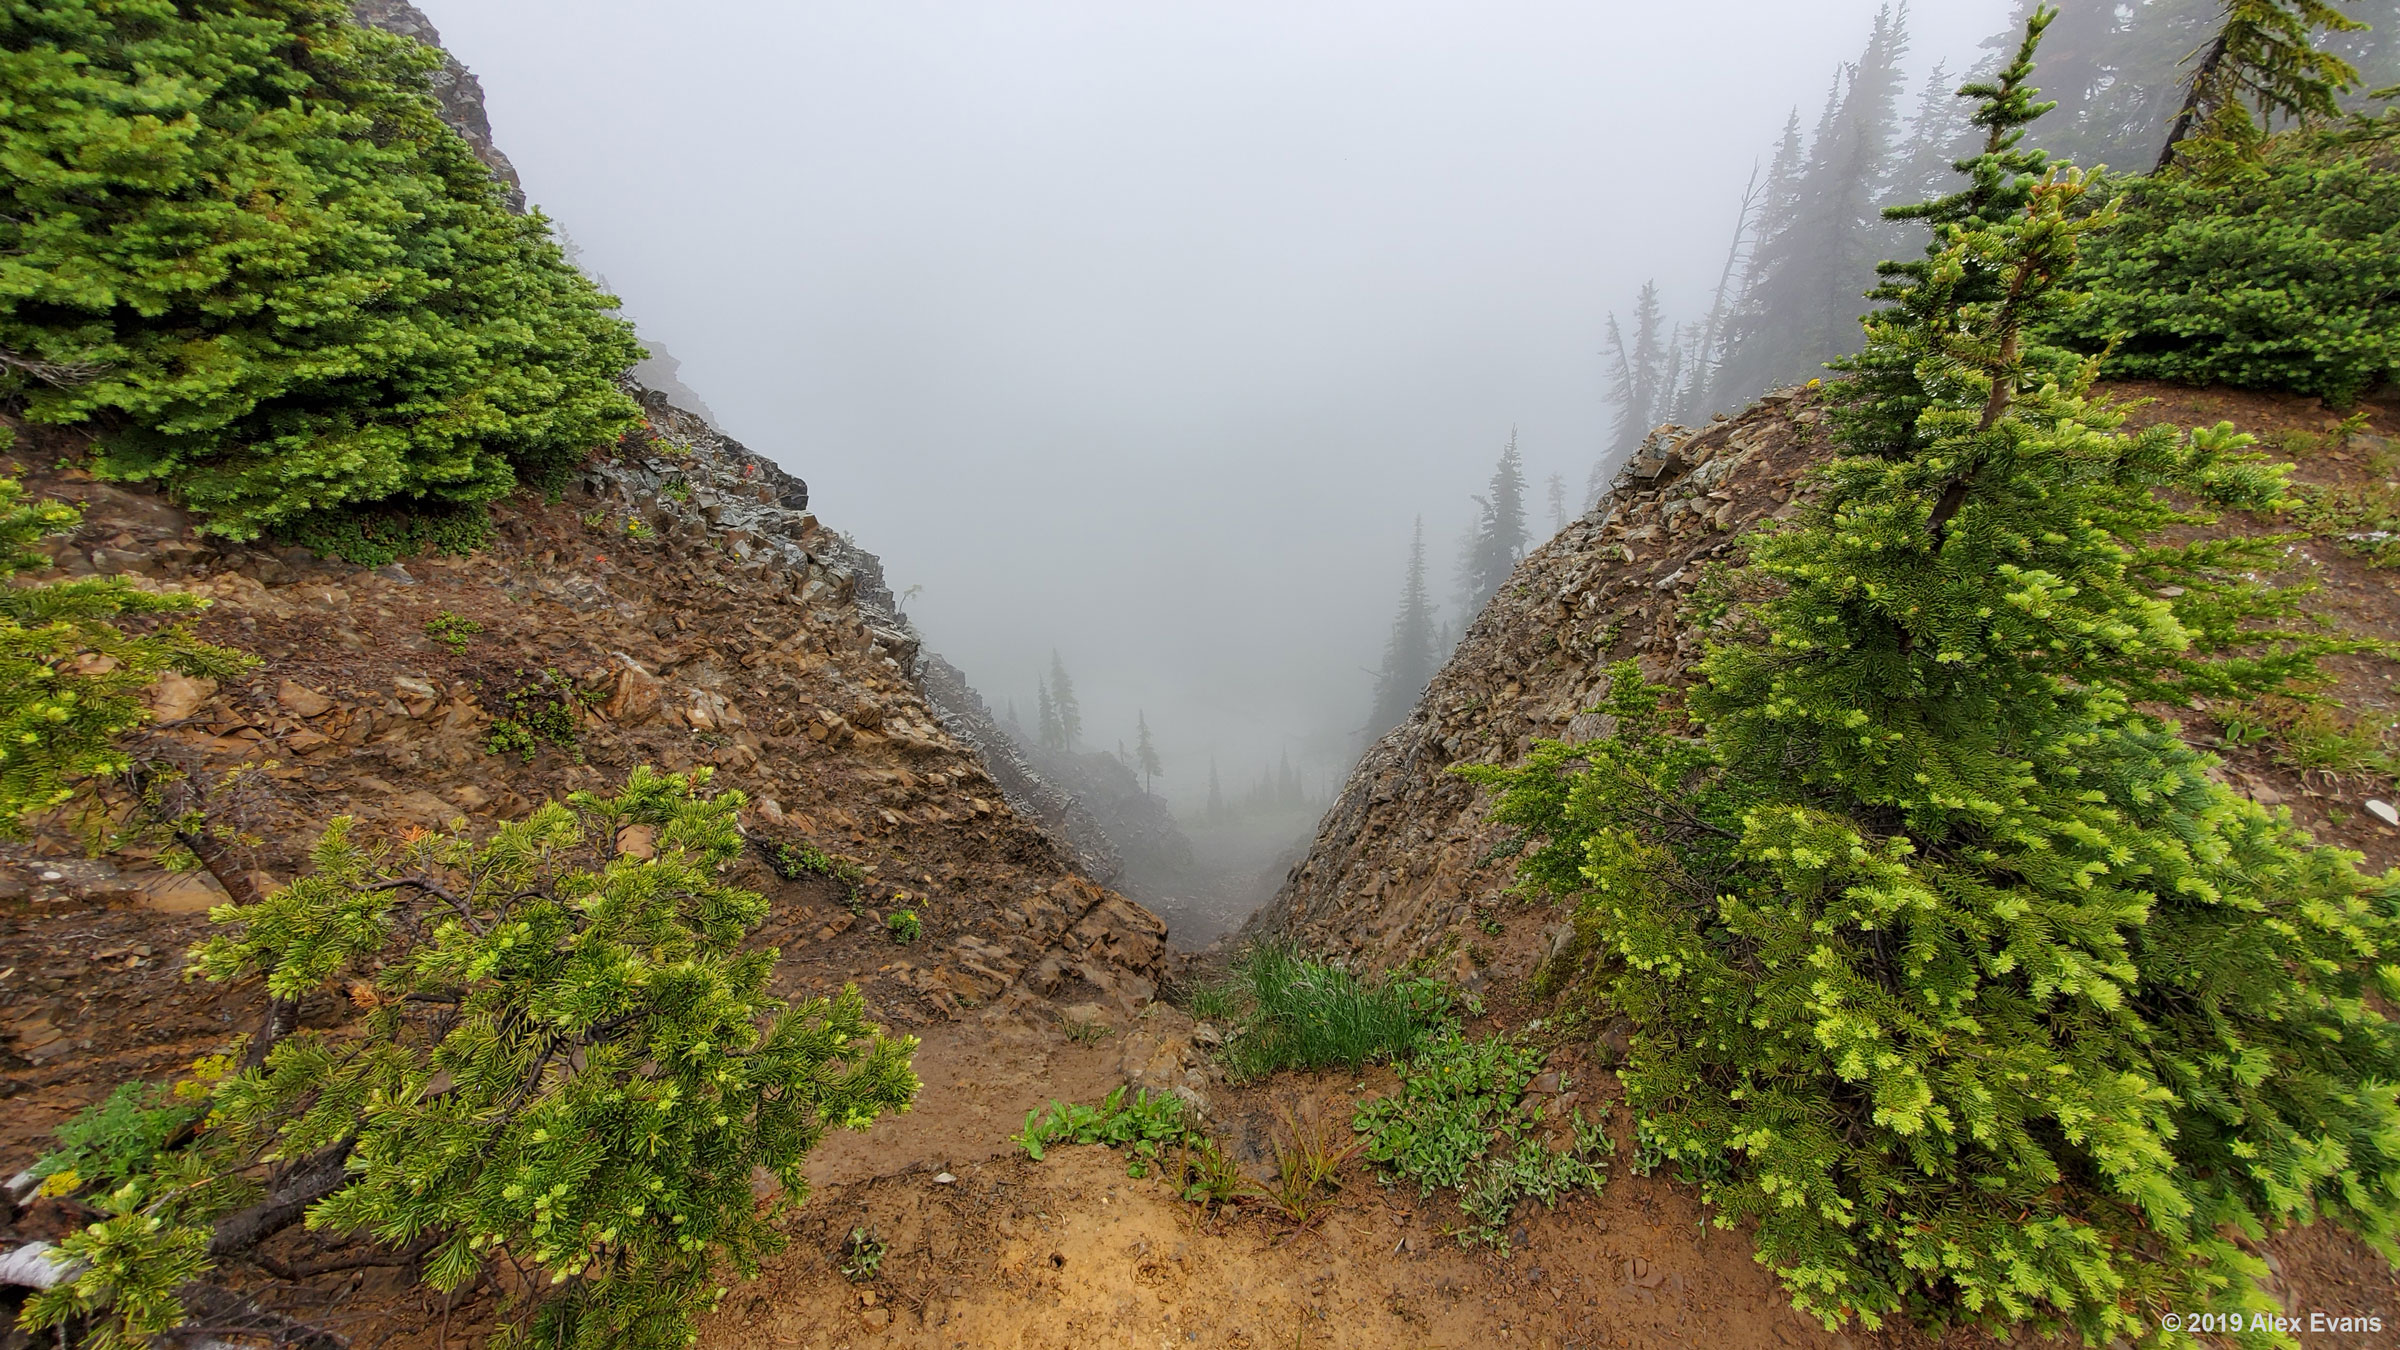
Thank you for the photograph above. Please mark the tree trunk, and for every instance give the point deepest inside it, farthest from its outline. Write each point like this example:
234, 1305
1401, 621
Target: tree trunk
2185, 119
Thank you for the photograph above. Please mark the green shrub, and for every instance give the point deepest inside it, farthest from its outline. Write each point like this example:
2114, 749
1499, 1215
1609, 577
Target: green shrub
2286, 276
1456, 1124
565, 1061
1954, 975
904, 926
237, 240
1291, 1012
377, 536
71, 672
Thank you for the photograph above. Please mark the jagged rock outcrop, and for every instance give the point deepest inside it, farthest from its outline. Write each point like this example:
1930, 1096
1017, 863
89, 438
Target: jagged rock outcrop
460, 93
1405, 857
968, 717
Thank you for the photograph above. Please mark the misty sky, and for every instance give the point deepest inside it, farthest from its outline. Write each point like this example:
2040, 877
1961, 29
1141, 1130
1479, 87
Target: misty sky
1142, 330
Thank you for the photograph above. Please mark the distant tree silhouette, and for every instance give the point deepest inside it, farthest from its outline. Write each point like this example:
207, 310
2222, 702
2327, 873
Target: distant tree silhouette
1499, 537
1052, 733
1409, 656
1145, 754
1062, 696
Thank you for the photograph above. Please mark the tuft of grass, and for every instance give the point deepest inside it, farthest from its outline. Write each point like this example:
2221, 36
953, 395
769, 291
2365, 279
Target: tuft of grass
1308, 1154
1459, 1123
1294, 1012
2318, 740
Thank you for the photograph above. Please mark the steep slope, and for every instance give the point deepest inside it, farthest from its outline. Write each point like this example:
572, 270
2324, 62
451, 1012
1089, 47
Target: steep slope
672, 610
1403, 861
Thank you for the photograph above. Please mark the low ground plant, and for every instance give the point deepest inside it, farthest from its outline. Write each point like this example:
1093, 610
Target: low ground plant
795, 860
1459, 1123
1147, 1127
451, 630
542, 708
1291, 1011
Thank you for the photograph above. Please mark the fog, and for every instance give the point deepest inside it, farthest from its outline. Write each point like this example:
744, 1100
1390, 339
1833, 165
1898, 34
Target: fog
1143, 331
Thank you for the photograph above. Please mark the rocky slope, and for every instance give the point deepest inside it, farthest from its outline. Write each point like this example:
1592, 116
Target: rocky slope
676, 609
1404, 860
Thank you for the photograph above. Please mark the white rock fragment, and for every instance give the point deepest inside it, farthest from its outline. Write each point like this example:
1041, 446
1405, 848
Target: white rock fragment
2384, 811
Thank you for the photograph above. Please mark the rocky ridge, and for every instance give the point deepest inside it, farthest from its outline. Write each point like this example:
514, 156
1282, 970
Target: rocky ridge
1405, 860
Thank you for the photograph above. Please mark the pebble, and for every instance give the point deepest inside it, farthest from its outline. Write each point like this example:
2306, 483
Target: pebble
2384, 811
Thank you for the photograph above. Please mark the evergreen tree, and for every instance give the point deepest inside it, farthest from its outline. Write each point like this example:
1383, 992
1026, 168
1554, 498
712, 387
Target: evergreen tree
1409, 656
1750, 347
287, 288
1956, 975
1882, 407
1638, 383
1146, 754
1709, 350
1822, 229
1216, 795
1499, 538
2265, 54
1052, 733
1941, 134
1062, 696
567, 1062
2116, 70
1557, 487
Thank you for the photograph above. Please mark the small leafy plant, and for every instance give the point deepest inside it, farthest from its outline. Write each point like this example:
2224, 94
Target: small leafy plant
1143, 1125
904, 926
793, 861
451, 630
1206, 1176
1458, 1123
547, 708
862, 1255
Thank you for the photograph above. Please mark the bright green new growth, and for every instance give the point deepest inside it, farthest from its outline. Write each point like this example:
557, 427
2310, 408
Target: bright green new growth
237, 239
567, 1059
70, 677
1954, 972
